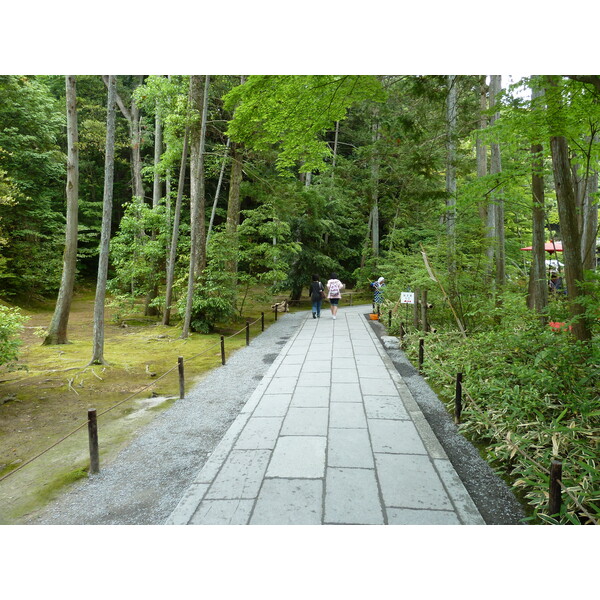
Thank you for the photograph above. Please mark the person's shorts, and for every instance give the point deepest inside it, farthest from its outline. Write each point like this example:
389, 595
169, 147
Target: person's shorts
334, 301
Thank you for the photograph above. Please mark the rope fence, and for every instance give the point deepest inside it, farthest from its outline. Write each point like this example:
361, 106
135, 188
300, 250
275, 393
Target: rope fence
554, 473
92, 416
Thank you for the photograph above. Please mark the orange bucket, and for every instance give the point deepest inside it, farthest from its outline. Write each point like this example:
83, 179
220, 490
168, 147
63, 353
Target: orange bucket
374, 317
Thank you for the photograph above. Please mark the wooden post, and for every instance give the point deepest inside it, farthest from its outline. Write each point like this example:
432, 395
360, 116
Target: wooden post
421, 353
416, 309
424, 324
276, 306
458, 398
93, 439
262, 321
247, 333
390, 319
181, 377
351, 296
554, 500
223, 350
401, 334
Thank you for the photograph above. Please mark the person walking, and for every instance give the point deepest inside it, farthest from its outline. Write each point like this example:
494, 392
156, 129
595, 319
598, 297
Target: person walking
334, 293
317, 293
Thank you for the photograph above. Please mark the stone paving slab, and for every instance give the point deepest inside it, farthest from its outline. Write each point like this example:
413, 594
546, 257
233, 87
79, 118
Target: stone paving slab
332, 435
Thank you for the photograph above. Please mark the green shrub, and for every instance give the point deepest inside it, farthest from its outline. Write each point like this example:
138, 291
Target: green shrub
11, 324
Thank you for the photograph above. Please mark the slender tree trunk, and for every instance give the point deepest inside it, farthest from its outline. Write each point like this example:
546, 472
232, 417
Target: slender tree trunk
156, 193
497, 201
375, 185
136, 147
199, 102
538, 282
98, 339
590, 223
57, 332
158, 143
217, 192
234, 202
567, 203
451, 120
481, 149
175, 235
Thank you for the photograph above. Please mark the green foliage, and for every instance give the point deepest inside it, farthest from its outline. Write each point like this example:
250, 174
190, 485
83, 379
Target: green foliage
215, 294
528, 387
11, 324
293, 112
138, 250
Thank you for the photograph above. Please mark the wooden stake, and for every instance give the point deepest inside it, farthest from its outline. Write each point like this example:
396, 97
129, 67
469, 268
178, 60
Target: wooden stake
93, 439
458, 398
554, 500
223, 350
181, 377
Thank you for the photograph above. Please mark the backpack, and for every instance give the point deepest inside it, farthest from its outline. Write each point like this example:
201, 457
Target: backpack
334, 288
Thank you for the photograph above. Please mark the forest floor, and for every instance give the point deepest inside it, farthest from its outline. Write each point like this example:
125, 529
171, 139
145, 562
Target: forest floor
49, 396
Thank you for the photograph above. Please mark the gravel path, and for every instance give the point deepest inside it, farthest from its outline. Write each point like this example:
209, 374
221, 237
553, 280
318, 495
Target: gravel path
145, 482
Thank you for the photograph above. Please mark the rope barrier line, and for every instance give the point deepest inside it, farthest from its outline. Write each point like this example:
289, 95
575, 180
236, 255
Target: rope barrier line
6, 475
523, 453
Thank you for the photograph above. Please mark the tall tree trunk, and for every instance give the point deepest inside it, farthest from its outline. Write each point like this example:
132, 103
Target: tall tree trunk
136, 149
199, 102
451, 120
217, 192
175, 234
234, 202
375, 184
481, 149
590, 223
538, 284
57, 332
567, 214
152, 311
497, 196
98, 339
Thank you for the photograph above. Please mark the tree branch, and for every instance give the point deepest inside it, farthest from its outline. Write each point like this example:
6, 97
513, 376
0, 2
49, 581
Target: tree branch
120, 102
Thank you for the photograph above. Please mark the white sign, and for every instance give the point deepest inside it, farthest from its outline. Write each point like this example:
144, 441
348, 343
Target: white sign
407, 298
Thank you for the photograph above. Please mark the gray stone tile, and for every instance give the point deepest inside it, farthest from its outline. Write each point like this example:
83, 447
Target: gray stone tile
347, 415
385, 407
343, 363
409, 516
305, 421
368, 360
223, 512
240, 476
379, 387
349, 448
281, 385
298, 456
410, 481
373, 371
296, 359
352, 497
289, 502
311, 396
346, 392
314, 379
273, 406
316, 366
395, 437
344, 376
260, 433
288, 371
342, 352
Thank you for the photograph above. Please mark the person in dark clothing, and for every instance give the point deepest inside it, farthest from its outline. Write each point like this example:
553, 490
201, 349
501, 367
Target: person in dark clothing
316, 295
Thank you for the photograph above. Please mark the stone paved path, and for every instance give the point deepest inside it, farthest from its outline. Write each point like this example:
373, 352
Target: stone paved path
332, 435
